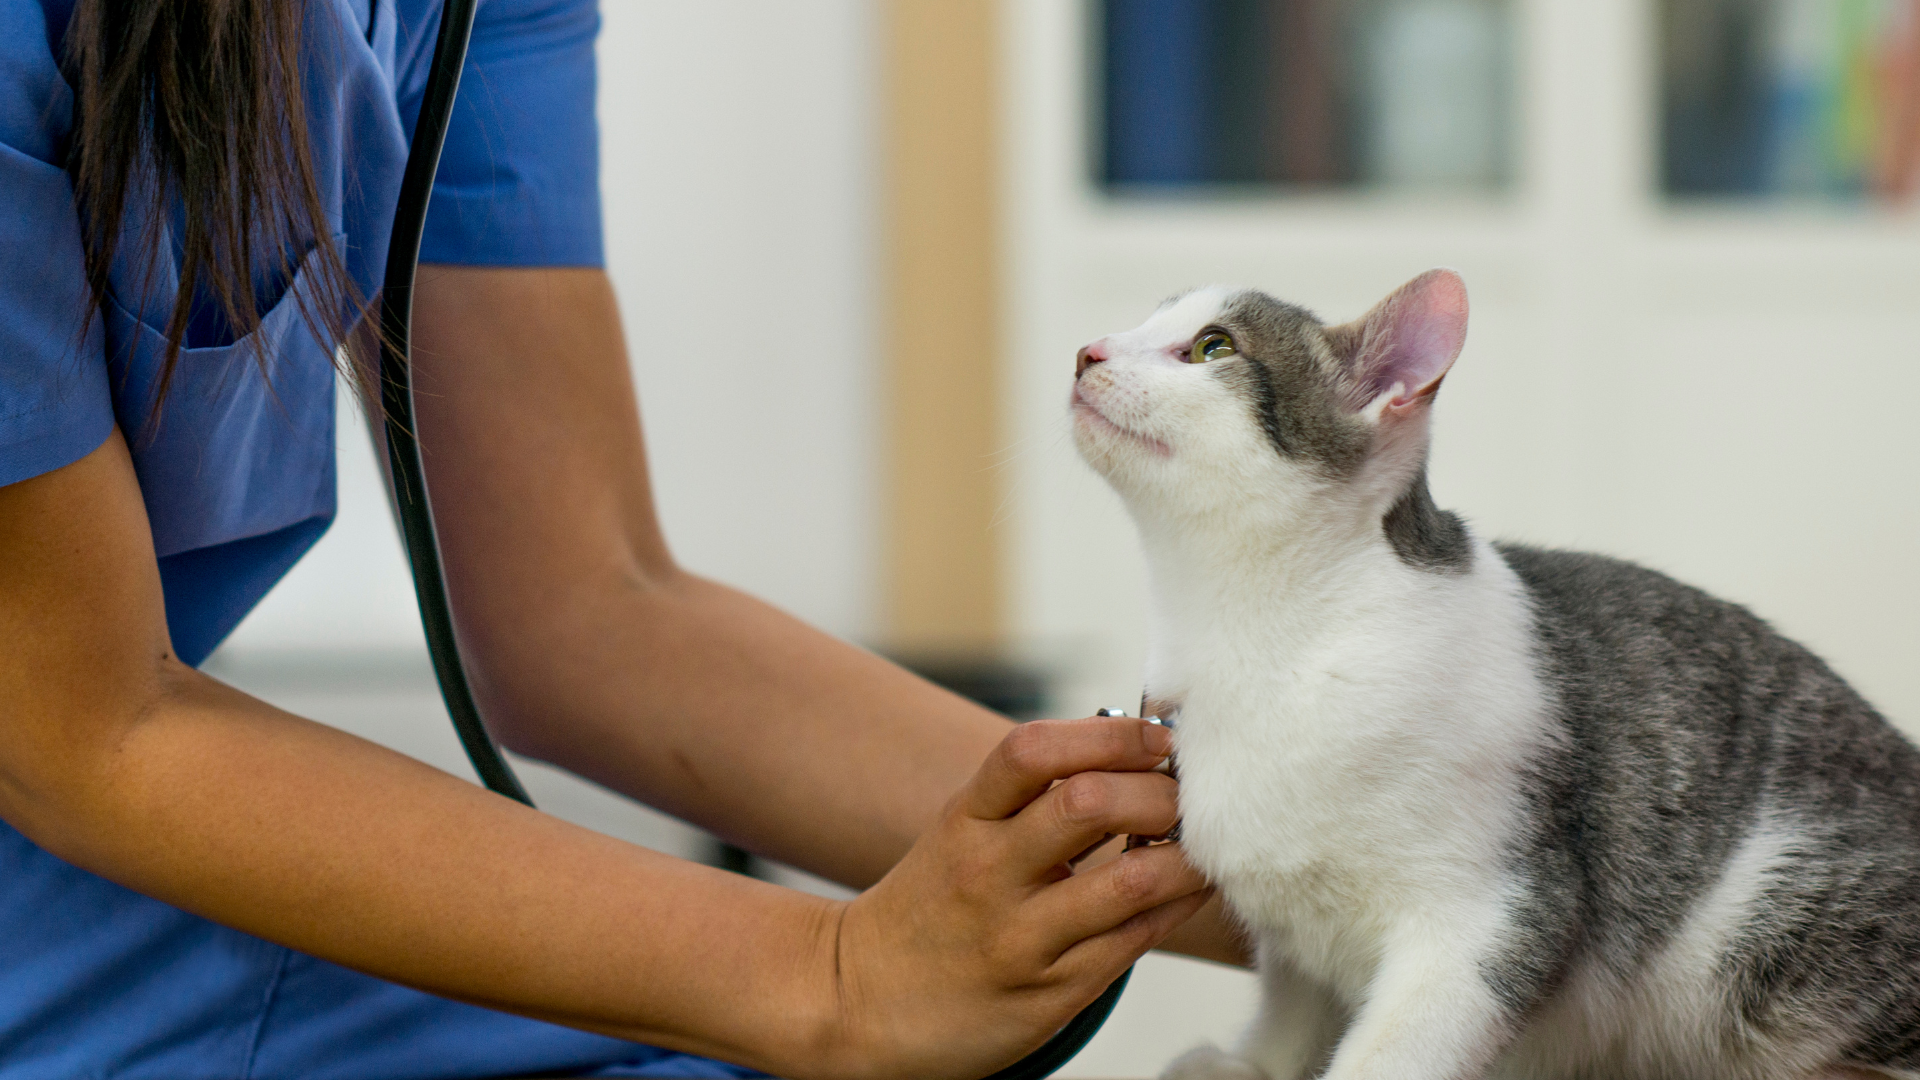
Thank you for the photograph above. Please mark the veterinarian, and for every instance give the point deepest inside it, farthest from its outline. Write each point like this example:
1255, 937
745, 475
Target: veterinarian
194, 204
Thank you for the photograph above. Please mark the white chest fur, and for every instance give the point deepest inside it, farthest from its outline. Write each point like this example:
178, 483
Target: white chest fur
1350, 744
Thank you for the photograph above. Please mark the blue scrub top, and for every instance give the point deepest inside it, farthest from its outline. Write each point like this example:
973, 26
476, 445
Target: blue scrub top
238, 476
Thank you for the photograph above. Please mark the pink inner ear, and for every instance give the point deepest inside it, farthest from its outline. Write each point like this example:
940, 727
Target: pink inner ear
1413, 337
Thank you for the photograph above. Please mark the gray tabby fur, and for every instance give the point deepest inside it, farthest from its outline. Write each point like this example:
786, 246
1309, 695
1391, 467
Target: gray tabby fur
1686, 715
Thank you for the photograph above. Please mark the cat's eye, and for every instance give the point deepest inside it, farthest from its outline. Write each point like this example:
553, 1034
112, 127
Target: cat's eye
1212, 345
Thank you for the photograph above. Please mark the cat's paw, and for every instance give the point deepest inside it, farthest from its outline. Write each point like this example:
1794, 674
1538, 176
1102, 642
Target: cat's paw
1211, 1063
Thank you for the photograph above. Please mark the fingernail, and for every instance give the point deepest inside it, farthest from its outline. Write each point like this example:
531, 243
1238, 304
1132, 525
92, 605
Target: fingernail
1159, 740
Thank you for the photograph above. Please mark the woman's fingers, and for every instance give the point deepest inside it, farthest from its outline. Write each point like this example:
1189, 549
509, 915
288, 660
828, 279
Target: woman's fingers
1036, 754
1098, 901
986, 902
1082, 810
1091, 850
1103, 957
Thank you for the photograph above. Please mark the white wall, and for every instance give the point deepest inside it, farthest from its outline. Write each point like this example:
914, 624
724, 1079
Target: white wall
1724, 395
737, 166
738, 145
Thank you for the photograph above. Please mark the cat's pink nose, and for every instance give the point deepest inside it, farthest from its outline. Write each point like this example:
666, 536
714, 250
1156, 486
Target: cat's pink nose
1089, 354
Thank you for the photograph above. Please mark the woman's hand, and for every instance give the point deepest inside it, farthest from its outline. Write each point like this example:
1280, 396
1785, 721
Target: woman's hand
983, 941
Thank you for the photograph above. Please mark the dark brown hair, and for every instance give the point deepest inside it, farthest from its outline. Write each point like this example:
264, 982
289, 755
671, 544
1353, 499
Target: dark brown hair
200, 104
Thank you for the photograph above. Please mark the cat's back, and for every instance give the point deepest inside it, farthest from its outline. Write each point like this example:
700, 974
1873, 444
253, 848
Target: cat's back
1722, 789
1636, 657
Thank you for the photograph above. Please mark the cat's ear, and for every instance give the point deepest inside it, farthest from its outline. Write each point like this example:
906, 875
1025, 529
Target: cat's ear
1396, 355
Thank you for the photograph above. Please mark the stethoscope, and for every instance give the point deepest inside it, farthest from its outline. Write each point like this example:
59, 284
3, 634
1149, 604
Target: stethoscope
410, 483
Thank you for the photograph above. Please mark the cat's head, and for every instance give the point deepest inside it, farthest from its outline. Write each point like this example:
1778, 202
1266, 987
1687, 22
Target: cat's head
1231, 406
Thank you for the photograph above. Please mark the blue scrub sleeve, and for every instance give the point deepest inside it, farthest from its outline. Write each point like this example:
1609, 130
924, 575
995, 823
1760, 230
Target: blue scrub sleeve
55, 404
519, 182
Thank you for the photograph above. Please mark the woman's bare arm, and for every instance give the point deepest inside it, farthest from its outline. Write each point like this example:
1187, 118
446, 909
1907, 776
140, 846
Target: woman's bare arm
596, 652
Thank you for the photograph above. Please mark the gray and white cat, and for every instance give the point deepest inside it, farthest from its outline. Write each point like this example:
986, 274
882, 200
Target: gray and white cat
1486, 810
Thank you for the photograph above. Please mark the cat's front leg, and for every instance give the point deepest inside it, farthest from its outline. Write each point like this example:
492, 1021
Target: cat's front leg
1299, 1021
1291, 1039
1429, 1015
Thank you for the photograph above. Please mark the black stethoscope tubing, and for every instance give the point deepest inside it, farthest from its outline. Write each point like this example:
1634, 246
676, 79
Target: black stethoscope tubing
410, 482
396, 399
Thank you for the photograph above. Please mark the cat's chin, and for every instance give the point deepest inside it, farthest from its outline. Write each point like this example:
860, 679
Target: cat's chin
1097, 433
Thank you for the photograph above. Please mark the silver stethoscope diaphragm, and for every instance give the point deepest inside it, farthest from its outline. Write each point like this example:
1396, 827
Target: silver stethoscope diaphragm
1169, 767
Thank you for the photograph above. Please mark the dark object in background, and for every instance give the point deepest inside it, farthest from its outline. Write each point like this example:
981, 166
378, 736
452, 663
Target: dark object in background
1800, 98
1009, 688
1187, 97
1237, 93
1157, 128
1223, 91
1713, 97
736, 860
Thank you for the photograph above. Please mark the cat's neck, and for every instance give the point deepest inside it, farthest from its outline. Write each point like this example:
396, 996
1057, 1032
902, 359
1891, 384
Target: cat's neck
1310, 576
1197, 580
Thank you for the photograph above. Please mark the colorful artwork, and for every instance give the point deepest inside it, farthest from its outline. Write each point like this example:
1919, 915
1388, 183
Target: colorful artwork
1807, 98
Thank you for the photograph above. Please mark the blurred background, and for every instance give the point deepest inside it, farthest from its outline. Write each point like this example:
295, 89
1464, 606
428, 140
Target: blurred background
1689, 229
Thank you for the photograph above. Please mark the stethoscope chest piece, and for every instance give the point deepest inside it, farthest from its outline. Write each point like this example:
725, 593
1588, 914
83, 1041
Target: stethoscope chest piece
1165, 719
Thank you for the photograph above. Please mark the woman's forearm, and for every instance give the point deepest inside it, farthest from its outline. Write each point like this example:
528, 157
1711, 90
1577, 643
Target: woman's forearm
864, 757
301, 834
595, 651
724, 711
